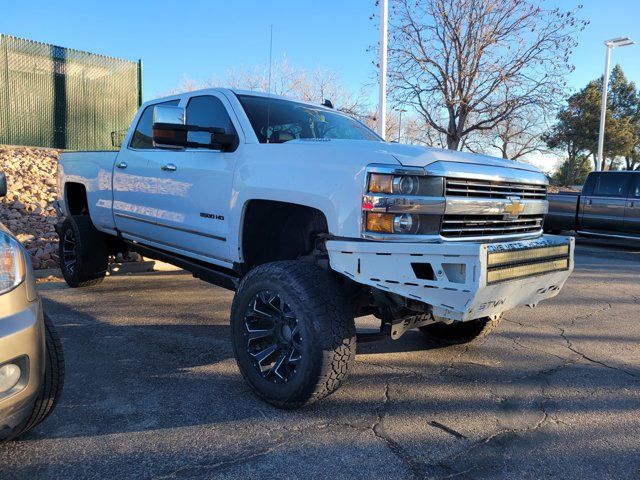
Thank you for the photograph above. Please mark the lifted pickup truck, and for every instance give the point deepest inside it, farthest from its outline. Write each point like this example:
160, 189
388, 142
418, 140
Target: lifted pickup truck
609, 206
313, 220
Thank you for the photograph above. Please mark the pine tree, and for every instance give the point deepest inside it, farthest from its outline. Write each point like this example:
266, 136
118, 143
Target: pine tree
578, 125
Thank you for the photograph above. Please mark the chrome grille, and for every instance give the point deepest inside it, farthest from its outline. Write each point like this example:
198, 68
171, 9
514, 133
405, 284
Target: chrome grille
461, 226
456, 187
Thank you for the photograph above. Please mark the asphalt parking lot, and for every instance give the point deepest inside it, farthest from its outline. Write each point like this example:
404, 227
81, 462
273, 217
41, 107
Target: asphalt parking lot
153, 392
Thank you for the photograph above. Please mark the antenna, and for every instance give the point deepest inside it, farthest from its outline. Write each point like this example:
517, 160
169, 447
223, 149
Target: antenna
269, 86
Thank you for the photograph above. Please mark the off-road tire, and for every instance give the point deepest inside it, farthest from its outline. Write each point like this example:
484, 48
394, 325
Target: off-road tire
460, 332
91, 254
323, 312
52, 383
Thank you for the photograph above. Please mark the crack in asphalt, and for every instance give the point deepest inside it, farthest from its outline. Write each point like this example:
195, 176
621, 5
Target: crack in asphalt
451, 365
534, 349
525, 325
589, 359
197, 470
545, 371
486, 441
416, 468
603, 308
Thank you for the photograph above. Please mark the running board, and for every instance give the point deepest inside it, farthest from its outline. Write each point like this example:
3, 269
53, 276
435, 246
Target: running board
218, 276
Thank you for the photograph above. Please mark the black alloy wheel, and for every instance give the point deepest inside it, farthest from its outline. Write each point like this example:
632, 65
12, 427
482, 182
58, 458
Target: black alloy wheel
274, 337
83, 252
69, 257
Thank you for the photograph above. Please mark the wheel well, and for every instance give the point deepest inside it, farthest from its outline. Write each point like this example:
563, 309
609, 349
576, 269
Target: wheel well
273, 231
76, 199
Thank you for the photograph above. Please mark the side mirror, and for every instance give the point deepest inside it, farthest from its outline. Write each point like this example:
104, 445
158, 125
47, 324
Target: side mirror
168, 126
3, 185
170, 131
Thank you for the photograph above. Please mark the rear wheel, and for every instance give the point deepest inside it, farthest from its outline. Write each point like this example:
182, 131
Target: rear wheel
293, 333
83, 253
460, 332
52, 383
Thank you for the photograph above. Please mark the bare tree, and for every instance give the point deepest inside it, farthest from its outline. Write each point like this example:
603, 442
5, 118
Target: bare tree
467, 65
519, 136
416, 132
187, 84
290, 81
513, 138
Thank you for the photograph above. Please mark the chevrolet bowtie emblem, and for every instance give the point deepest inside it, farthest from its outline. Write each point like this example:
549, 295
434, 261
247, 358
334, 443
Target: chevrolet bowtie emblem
515, 209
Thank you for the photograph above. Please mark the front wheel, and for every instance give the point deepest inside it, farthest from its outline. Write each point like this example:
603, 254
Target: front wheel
460, 332
293, 333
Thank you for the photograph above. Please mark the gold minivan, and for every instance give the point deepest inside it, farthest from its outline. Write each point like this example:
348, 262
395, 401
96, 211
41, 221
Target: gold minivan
31, 360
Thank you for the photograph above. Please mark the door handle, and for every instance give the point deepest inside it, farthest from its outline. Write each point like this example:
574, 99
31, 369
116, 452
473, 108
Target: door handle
631, 203
121, 165
589, 201
169, 167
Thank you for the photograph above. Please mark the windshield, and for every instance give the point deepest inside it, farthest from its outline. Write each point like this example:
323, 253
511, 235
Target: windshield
278, 121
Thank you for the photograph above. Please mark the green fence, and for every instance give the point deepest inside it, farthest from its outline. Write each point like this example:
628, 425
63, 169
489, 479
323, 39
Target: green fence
61, 98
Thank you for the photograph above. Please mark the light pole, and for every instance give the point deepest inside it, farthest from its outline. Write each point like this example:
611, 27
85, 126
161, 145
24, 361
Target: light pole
401, 111
382, 103
609, 44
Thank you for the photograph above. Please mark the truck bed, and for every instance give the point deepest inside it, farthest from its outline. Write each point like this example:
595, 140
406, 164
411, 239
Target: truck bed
94, 171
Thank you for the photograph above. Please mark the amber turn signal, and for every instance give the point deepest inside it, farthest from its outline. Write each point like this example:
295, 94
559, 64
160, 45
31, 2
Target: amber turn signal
380, 222
379, 183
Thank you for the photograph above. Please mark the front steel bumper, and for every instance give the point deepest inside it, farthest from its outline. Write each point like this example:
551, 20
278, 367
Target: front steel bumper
21, 342
461, 281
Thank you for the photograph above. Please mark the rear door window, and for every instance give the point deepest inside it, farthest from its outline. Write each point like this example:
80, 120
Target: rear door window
634, 190
611, 185
587, 189
142, 138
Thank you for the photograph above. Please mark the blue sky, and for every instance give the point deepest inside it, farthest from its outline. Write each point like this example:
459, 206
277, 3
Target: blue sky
204, 39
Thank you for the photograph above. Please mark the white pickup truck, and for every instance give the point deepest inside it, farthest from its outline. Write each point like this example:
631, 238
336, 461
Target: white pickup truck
313, 220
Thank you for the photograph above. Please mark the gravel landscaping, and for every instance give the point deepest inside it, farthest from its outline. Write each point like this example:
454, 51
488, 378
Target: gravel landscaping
27, 210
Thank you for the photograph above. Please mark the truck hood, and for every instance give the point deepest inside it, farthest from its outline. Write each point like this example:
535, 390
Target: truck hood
413, 155
417, 156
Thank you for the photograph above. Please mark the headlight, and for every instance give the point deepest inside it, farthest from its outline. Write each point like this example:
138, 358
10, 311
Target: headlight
401, 202
407, 185
12, 263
